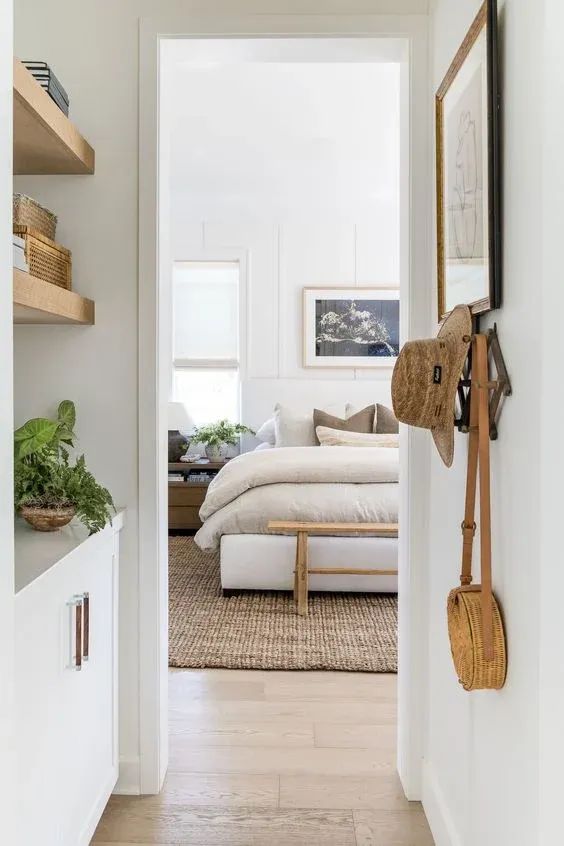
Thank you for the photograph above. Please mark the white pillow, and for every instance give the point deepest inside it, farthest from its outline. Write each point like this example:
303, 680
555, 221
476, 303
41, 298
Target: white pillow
260, 447
267, 432
296, 428
335, 437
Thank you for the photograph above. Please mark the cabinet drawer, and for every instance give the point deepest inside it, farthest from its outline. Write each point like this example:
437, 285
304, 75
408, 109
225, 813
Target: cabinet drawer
186, 495
184, 517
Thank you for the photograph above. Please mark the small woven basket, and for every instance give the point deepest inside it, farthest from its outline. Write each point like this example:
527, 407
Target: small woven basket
464, 611
47, 260
27, 212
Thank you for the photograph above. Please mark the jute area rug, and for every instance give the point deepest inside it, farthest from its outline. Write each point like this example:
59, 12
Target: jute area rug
262, 631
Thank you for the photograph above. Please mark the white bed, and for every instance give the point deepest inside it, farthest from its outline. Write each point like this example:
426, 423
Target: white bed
266, 562
319, 484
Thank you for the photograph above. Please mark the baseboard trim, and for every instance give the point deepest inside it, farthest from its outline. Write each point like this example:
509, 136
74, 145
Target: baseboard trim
129, 781
436, 810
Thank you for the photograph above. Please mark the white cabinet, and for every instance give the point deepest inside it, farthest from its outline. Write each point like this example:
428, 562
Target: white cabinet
66, 682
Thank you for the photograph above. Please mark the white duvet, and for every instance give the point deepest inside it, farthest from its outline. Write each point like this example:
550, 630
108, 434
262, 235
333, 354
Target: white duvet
344, 484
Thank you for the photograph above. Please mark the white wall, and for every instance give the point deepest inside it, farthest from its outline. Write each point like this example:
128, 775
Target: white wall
7, 751
483, 769
95, 54
294, 164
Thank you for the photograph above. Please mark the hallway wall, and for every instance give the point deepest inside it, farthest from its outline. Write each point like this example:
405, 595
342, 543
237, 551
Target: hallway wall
483, 759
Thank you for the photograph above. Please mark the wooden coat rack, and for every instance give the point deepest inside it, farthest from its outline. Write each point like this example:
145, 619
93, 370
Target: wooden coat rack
500, 386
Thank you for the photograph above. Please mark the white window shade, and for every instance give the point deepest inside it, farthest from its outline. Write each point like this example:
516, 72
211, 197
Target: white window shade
211, 395
206, 312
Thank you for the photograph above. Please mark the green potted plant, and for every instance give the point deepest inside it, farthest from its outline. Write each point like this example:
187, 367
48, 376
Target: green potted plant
49, 490
218, 436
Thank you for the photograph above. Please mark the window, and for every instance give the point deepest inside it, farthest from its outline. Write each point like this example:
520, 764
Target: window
206, 339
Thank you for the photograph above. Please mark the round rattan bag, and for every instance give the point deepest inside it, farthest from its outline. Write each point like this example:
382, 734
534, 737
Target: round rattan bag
464, 611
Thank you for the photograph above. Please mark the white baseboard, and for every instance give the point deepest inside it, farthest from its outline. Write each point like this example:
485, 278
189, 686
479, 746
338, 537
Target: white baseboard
128, 783
438, 815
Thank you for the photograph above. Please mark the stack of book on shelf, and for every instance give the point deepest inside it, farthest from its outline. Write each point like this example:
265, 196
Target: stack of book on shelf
175, 477
19, 253
49, 82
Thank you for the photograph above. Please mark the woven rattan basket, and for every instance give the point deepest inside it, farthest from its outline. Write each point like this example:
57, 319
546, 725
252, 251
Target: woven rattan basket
27, 212
464, 611
47, 260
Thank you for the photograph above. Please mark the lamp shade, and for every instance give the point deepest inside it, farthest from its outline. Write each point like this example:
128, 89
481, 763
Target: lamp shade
179, 419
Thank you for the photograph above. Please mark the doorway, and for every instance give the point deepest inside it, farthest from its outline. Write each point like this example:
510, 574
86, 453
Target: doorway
153, 584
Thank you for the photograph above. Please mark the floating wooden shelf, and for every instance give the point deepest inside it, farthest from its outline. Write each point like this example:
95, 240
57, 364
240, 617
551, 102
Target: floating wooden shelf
37, 301
45, 140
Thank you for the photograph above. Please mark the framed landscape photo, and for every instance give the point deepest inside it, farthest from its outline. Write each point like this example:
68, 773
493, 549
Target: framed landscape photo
468, 173
351, 327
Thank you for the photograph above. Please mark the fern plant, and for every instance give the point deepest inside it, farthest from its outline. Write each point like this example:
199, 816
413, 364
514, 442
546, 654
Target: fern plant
45, 477
217, 434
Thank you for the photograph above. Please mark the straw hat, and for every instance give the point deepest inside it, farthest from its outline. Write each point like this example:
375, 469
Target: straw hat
426, 376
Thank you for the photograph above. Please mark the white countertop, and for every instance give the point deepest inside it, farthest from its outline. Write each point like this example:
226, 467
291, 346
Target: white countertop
36, 552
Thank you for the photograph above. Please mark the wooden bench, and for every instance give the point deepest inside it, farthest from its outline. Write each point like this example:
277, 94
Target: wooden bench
302, 532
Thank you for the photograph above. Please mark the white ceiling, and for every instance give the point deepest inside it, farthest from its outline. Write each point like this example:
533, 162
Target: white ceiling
288, 139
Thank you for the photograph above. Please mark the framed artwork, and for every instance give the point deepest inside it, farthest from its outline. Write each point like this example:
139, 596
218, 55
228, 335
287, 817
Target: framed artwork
351, 327
468, 173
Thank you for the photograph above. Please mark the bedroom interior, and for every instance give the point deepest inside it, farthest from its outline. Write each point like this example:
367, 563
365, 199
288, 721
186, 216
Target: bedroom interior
277, 278
280, 458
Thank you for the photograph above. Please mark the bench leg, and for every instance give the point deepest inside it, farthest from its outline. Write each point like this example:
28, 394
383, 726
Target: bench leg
301, 555
296, 590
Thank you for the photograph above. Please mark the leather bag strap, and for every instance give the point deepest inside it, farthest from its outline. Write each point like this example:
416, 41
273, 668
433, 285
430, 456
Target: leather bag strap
479, 454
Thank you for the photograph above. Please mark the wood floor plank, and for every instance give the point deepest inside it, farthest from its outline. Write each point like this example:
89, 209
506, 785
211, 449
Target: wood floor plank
392, 828
223, 827
219, 690
369, 687
218, 789
322, 791
311, 761
323, 712
336, 735
227, 732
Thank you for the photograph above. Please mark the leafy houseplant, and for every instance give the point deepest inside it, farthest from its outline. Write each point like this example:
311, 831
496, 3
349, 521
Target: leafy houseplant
49, 490
217, 436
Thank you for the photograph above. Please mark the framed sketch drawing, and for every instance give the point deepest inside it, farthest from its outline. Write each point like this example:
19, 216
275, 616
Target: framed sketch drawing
351, 327
468, 173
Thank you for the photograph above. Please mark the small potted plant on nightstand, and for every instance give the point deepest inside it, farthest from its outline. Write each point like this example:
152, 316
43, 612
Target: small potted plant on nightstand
49, 490
217, 437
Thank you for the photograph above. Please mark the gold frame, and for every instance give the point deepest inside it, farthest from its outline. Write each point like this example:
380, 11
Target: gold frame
488, 302
353, 288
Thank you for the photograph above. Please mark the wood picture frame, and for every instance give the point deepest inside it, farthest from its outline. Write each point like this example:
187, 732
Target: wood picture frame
468, 173
350, 326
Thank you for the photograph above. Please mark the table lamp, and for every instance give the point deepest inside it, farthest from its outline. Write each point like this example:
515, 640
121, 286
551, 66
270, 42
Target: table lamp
180, 427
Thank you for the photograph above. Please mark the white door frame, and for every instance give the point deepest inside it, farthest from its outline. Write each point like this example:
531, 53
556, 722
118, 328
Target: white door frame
154, 368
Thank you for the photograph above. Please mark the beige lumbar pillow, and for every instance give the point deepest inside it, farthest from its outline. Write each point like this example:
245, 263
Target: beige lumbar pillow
361, 421
337, 437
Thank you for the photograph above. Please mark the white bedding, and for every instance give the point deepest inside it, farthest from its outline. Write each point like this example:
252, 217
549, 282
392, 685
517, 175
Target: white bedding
348, 484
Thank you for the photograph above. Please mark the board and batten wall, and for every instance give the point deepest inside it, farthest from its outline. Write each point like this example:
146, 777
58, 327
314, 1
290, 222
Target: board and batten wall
492, 759
96, 56
282, 259
293, 162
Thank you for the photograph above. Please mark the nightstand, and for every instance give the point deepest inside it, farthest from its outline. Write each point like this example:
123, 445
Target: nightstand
185, 497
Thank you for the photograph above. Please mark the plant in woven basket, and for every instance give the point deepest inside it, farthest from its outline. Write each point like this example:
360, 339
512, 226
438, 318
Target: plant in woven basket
217, 436
49, 489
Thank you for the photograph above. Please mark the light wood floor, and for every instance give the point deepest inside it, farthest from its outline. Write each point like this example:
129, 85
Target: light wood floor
275, 759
